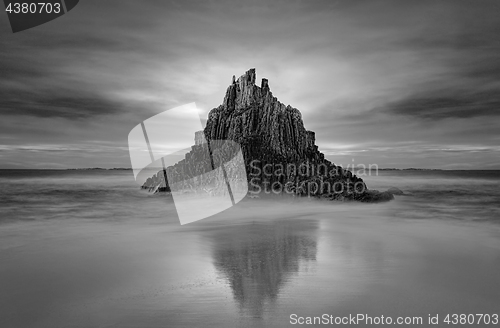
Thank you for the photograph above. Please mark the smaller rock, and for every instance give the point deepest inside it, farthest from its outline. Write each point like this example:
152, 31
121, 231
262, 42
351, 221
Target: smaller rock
375, 196
395, 191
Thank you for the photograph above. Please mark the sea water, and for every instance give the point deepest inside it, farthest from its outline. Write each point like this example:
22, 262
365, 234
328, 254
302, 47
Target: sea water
90, 249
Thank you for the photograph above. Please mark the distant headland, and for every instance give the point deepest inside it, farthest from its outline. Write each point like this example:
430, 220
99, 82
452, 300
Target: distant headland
100, 169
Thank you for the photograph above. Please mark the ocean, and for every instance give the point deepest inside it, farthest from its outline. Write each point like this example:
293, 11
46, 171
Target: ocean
88, 248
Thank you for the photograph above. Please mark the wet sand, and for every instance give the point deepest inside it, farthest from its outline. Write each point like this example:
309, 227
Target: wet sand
251, 266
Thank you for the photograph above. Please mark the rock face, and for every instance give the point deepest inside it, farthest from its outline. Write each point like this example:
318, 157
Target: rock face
280, 154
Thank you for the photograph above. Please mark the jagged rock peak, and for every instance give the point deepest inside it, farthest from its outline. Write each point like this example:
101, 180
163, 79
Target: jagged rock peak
249, 111
248, 80
243, 92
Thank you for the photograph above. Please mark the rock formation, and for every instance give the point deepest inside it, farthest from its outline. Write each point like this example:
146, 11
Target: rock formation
280, 154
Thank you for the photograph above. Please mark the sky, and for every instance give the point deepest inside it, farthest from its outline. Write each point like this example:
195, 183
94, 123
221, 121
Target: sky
394, 83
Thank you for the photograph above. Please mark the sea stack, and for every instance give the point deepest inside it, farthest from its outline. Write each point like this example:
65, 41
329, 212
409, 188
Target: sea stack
280, 154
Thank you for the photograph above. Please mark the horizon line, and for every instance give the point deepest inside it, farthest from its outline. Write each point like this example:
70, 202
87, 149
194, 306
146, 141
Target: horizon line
161, 168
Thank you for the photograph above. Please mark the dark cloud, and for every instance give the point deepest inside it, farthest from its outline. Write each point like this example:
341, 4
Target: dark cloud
79, 106
10, 71
446, 106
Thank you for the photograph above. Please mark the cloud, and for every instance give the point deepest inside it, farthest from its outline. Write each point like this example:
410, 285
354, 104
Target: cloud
368, 75
441, 106
78, 106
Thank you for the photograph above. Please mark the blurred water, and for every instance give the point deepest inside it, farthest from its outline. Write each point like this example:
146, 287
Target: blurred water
101, 194
444, 195
72, 194
89, 249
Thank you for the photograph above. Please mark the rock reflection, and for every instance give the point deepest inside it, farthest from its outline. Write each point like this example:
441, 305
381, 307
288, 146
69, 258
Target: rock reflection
257, 260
